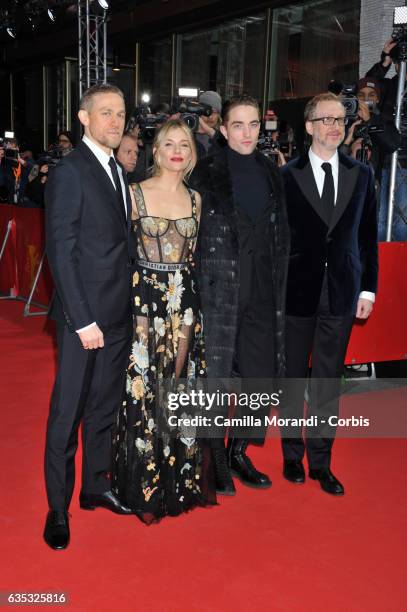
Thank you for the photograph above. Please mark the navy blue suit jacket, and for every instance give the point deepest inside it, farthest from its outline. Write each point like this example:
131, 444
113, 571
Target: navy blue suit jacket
346, 248
89, 244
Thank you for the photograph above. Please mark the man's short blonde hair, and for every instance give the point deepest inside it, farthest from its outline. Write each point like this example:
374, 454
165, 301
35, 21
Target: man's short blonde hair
100, 88
309, 112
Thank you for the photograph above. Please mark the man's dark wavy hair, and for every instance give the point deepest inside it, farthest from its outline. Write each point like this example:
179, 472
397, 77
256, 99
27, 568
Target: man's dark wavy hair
243, 100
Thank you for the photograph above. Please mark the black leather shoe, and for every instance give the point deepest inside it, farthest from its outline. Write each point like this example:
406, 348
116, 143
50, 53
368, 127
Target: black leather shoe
224, 480
56, 532
329, 483
242, 467
294, 471
90, 501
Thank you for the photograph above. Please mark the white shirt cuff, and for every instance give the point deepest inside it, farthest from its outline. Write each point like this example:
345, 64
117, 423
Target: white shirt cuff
367, 295
78, 331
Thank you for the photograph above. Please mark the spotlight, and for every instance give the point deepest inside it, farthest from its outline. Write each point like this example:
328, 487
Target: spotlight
51, 15
116, 61
104, 4
11, 32
145, 98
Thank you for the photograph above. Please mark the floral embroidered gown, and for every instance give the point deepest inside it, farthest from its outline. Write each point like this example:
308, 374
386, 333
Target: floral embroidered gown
154, 474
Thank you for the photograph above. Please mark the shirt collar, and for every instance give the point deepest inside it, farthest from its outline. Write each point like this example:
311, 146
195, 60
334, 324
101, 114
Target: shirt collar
102, 156
317, 161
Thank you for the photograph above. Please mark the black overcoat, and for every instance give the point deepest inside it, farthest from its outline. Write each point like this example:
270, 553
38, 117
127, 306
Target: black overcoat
218, 262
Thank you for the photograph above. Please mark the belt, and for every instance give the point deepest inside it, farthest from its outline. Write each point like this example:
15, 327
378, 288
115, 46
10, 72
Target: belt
165, 267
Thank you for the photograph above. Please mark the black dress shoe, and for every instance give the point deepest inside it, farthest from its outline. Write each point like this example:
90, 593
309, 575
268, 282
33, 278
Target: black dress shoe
108, 500
294, 471
242, 467
223, 477
329, 483
56, 532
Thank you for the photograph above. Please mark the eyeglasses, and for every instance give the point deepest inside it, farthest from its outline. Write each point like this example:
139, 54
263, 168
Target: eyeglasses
331, 120
61, 140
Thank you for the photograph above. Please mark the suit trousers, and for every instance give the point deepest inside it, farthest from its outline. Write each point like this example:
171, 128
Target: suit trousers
89, 387
326, 338
254, 359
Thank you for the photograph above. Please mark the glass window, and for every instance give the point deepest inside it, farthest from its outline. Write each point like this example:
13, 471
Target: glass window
125, 79
56, 100
231, 57
312, 44
155, 70
28, 108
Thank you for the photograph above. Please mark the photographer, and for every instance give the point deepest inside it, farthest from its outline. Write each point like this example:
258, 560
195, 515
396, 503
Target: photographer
276, 139
38, 176
208, 137
387, 106
14, 171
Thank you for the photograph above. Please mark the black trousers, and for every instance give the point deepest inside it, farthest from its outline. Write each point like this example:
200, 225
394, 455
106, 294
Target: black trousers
326, 338
254, 362
89, 388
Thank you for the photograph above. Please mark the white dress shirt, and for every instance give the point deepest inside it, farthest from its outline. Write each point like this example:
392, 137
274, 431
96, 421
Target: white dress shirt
104, 158
319, 176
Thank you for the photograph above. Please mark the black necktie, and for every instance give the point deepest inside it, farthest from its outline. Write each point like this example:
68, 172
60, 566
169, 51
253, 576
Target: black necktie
328, 192
119, 192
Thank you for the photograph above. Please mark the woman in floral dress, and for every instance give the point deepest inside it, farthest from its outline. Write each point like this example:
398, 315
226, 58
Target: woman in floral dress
159, 471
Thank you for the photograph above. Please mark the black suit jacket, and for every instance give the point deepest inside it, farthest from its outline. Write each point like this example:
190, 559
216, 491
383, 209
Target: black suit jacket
346, 248
88, 242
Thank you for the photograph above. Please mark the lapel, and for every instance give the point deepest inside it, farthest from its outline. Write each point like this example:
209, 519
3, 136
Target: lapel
347, 177
262, 159
127, 189
102, 179
303, 175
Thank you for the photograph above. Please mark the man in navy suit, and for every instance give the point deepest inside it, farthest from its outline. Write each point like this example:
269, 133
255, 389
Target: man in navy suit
332, 278
89, 250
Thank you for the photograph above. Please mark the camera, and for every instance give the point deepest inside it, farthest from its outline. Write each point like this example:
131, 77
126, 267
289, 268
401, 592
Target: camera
347, 94
190, 110
147, 122
51, 157
270, 146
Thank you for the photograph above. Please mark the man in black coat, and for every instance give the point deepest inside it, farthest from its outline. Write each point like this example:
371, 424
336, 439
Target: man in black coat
89, 251
332, 277
242, 261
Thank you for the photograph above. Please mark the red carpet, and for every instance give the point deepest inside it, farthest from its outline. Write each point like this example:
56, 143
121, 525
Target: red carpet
285, 549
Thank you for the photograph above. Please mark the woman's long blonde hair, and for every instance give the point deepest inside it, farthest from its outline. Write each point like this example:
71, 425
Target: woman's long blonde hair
162, 134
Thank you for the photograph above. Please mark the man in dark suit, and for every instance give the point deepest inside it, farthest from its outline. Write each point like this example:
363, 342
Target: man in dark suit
89, 252
242, 256
332, 278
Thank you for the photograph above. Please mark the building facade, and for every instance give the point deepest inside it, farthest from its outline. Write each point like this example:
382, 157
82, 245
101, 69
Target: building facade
278, 52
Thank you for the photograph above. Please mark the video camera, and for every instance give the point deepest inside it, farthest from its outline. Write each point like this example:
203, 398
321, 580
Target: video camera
189, 108
270, 146
51, 158
347, 94
10, 153
147, 121
399, 34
